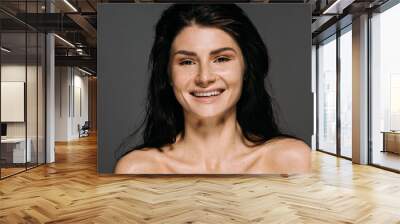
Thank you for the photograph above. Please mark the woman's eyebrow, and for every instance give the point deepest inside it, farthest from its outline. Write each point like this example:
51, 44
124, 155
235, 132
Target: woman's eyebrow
188, 53
214, 52
221, 50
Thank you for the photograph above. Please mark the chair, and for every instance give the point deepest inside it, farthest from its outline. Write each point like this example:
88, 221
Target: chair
84, 130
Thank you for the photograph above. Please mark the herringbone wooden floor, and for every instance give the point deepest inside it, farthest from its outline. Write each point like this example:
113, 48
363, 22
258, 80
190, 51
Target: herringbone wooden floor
70, 191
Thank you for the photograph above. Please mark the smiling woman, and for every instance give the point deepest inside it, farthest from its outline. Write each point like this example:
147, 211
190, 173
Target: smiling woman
208, 111
207, 68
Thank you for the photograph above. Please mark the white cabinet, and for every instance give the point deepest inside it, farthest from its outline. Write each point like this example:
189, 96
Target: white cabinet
19, 154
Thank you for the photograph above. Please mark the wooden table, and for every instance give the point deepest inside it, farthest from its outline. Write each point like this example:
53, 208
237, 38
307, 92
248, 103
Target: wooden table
391, 141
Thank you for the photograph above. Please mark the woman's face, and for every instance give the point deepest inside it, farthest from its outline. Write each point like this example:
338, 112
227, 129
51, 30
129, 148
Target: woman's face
206, 67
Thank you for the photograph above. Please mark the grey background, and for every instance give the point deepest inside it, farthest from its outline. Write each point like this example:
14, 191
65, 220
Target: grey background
125, 35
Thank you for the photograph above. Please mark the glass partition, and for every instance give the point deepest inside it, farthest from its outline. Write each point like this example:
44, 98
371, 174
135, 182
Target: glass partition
327, 95
31, 100
22, 88
13, 109
41, 91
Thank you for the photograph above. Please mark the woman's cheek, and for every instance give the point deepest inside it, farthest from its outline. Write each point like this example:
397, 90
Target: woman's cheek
183, 74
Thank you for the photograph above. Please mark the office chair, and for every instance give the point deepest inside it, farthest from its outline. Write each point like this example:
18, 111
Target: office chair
84, 130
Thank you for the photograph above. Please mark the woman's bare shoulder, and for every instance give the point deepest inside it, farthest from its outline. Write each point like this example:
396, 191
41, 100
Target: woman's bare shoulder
140, 161
288, 155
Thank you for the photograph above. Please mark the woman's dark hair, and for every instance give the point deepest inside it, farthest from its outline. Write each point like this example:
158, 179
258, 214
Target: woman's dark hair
164, 117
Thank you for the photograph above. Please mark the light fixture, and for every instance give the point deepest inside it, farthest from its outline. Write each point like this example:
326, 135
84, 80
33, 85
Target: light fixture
84, 71
70, 5
5, 50
337, 7
79, 51
65, 41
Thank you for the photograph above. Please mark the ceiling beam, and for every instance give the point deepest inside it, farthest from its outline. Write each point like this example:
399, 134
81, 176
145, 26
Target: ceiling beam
84, 24
83, 61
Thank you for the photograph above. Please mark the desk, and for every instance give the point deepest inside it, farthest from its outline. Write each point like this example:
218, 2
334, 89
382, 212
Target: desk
391, 141
15, 148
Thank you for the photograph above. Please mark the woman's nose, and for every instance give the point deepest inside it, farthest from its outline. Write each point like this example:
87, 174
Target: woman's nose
205, 76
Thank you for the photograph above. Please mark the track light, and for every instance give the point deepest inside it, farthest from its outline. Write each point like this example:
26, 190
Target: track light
5, 50
64, 40
70, 5
337, 7
84, 71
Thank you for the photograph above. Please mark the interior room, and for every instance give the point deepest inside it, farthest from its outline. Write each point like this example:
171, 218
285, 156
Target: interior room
49, 170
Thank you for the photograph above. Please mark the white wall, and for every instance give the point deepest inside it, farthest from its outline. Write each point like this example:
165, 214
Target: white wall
71, 87
62, 81
16, 73
80, 110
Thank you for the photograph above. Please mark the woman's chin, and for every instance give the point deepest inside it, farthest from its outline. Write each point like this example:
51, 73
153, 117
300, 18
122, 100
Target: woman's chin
208, 114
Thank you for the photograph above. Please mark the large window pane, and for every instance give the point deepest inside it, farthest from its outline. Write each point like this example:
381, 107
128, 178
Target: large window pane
385, 87
346, 93
327, 96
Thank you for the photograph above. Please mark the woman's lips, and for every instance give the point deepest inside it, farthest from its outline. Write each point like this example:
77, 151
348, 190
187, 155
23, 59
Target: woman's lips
206, 97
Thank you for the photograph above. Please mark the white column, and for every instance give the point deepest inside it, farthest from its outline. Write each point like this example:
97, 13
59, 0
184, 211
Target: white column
50, 93
360, 90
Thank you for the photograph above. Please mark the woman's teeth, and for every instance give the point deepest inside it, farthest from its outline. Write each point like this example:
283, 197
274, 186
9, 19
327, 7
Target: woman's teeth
203, 94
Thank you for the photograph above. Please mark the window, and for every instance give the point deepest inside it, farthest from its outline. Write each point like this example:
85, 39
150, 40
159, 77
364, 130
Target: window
346, 92
327, 95
385, 88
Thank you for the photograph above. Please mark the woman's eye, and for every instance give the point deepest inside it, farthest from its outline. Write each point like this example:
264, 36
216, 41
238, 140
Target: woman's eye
186, 62
222, 59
